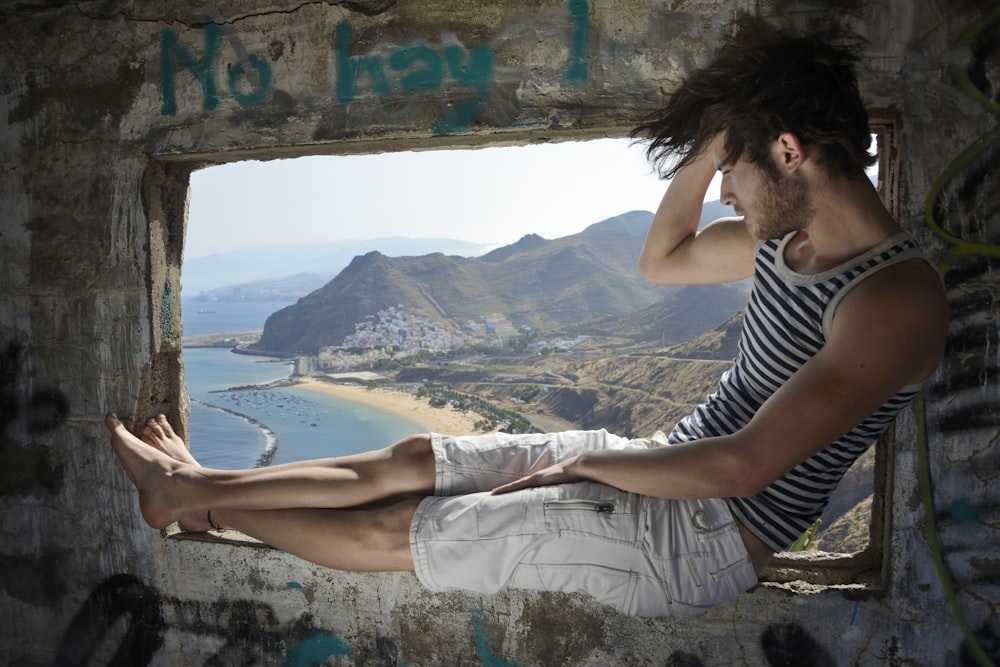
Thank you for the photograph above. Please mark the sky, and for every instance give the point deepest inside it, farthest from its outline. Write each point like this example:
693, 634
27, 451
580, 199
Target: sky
488, 196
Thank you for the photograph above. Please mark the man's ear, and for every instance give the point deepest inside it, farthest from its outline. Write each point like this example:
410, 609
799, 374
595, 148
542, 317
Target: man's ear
788, 152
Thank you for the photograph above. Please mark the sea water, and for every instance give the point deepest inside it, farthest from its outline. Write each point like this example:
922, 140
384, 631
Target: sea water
248, 428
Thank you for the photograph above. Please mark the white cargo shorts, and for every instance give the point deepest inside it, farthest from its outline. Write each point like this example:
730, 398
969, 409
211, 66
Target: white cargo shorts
644, 556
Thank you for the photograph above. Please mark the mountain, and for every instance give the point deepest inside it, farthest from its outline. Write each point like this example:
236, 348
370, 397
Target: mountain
290, 271
298, 268
535, 282
545, 284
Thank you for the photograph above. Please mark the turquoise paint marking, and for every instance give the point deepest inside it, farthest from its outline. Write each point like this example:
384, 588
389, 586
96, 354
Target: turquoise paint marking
578, 70
316, 649
294, 584
258, 89
483, 649
203, 68
414, 69
965, 512
349, 67
474, 72
427, 78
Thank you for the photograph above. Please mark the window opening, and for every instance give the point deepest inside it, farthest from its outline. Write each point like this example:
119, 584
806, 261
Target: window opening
246, 260
247, 257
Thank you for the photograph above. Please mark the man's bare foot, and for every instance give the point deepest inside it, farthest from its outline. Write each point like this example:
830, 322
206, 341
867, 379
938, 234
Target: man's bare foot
153, 473
198, 522
160, 434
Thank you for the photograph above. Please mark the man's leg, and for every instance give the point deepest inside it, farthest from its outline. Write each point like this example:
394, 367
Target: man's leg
355, 540
170, 489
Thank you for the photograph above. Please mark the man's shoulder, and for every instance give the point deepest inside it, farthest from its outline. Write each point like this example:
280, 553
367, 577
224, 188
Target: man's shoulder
904, 307
912, 277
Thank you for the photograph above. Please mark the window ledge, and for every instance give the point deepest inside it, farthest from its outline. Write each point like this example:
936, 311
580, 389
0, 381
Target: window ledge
175, 532
821, 569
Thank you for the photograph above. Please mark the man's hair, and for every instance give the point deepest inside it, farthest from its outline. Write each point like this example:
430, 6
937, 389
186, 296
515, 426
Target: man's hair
764, 82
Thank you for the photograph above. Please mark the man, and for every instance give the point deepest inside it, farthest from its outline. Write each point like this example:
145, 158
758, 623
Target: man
845, 321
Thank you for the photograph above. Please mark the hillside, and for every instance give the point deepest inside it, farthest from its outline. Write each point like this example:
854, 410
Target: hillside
637, 393
539, 283
684, 314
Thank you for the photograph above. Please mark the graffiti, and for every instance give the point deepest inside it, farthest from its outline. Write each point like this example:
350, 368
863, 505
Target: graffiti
35, 578
420, 69
251, 631
483, 649
251, 68
782, 644
960, 209
791, 644
972, 168
462, 78
125, 622
579, 71
117, 597
988, 644
44, 409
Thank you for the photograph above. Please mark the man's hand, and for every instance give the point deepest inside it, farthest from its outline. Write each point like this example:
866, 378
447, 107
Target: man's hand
560, 473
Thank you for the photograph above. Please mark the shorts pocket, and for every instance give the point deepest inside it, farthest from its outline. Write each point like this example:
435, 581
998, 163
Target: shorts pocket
595, 510
696, 582
605, 584
686, 585
508, 515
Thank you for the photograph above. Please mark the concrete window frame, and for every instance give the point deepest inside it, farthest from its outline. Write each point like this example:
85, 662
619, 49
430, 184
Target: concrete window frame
166, 191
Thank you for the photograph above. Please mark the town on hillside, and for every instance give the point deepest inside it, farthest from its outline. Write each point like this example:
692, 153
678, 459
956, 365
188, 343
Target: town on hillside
392, 333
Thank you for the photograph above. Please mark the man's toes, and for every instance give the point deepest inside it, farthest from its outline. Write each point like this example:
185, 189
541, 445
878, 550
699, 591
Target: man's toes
153, 429
168, 430
111, 421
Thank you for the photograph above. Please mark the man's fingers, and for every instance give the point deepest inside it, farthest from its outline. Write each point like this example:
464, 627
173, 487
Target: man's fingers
510, 486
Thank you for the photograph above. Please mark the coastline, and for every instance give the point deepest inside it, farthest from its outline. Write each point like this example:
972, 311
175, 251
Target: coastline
446, 420
270, 437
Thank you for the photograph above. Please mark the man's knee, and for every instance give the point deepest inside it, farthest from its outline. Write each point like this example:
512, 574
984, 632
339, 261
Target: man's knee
414, 456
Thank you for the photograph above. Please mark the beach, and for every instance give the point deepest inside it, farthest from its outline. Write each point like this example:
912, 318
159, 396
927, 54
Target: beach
447, 420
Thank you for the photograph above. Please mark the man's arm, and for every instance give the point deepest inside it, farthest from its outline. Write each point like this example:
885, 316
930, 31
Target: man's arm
888, 332
676, 253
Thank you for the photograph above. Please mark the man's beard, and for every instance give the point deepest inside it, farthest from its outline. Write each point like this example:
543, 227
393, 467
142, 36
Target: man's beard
782, 207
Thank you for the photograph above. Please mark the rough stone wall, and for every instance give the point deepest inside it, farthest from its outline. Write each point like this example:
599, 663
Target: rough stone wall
109, 106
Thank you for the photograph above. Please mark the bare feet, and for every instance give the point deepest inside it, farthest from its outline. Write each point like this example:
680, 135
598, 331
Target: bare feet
197, 523
154, 474
160, 434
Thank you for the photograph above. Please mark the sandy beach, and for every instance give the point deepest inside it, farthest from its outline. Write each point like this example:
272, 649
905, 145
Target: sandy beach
446, 420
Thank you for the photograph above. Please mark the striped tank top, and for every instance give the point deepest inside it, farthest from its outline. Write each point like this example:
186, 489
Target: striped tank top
787, 321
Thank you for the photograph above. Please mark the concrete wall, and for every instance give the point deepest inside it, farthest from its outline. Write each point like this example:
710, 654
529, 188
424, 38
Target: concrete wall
109, 106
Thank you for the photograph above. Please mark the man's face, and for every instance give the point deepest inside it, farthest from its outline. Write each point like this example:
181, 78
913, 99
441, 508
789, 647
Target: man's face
772, 203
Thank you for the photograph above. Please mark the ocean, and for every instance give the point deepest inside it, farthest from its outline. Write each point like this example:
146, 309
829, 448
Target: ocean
245, 429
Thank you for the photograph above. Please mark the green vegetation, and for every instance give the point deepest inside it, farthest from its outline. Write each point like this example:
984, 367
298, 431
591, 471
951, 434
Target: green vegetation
807, 540
493, 416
